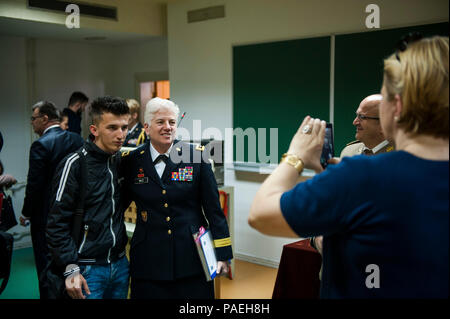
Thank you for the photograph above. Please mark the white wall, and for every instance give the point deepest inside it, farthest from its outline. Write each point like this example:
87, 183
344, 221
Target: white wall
200, 69
148, 57
14, 120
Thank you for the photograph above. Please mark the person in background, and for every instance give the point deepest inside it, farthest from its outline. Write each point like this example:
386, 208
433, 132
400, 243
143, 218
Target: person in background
379, 215
97, 267
6, 180
369, 136
175, 195
370, 139
136, 132
64, 124
77, 105
45, 154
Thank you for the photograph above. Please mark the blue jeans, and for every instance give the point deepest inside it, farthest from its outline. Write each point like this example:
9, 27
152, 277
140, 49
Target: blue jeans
107, 281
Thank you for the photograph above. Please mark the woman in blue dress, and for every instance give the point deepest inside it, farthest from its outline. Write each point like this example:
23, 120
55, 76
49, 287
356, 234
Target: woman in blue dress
384, 219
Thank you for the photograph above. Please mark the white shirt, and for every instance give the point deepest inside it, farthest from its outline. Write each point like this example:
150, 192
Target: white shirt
377, 148
55, 125
161, 165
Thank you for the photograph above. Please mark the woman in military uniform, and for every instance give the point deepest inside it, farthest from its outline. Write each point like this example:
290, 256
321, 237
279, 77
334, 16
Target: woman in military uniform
175, 194
136, 133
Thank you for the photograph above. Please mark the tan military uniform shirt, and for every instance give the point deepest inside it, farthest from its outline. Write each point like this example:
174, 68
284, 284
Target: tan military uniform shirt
357, 148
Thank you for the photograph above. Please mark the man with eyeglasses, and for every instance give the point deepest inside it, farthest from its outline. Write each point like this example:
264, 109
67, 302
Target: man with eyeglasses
370, 140
45, 154
369, 136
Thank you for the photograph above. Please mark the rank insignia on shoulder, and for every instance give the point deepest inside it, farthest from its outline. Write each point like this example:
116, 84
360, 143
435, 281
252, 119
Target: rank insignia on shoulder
353, 142
126, 153
142, 152
200, 148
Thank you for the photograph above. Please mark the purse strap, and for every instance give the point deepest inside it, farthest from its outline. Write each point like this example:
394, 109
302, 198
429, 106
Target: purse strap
79, 210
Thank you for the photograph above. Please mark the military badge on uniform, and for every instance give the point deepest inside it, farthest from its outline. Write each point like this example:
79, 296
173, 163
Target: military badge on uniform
183, 174
141, 179
144, 216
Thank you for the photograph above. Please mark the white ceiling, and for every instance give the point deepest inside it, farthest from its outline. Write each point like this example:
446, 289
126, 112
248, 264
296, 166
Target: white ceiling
33, 29
12, 26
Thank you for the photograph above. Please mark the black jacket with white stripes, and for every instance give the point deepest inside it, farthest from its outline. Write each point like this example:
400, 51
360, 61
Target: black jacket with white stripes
104, 236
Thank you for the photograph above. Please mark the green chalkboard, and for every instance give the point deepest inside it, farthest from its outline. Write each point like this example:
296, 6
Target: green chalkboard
275, 85
359, 72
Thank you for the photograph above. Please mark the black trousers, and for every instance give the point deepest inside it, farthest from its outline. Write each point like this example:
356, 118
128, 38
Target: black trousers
40, 250
195, 287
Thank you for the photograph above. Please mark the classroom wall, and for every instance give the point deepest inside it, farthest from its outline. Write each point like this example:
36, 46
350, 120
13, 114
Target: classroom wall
200, 70
33, 70
14, 119
139, 58
64, 67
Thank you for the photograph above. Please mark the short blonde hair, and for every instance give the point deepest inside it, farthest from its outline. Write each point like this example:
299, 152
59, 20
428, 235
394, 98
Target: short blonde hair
133, 105
156, 104
419, 75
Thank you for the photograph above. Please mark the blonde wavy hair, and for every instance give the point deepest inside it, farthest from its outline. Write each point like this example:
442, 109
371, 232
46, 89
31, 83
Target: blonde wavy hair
419, 75
133, 105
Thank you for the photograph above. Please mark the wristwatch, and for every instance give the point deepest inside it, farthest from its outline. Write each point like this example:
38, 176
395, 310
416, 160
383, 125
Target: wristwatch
293, 160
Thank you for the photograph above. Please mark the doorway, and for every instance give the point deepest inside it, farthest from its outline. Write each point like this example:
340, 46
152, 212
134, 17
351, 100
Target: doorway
151, 89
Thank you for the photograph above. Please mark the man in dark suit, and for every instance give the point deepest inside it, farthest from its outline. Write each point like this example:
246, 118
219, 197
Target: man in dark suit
175, 194
45, 154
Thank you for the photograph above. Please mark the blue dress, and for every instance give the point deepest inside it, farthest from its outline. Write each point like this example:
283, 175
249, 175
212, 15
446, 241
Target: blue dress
385, 224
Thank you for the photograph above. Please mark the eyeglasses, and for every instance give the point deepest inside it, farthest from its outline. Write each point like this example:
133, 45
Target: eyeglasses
402, 45
364, 117
35, 117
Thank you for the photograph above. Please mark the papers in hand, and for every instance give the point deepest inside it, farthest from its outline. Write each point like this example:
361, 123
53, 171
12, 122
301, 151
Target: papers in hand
205, 248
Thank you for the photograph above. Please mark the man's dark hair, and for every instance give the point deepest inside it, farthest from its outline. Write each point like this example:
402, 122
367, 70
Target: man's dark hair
78, 97
108, 104
49, 109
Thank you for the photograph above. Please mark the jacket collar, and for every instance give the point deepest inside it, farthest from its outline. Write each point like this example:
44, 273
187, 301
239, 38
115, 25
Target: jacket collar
96, 151
154, 153
149, 167
50, 128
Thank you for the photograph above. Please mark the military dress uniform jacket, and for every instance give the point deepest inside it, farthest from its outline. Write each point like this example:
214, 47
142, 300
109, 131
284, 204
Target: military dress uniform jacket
169, 209
357, 148
136, 137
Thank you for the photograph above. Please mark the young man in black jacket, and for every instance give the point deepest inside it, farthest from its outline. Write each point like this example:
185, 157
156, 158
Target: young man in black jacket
97, 266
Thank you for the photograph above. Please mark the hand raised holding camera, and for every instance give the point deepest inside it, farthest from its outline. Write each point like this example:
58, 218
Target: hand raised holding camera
308, 141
